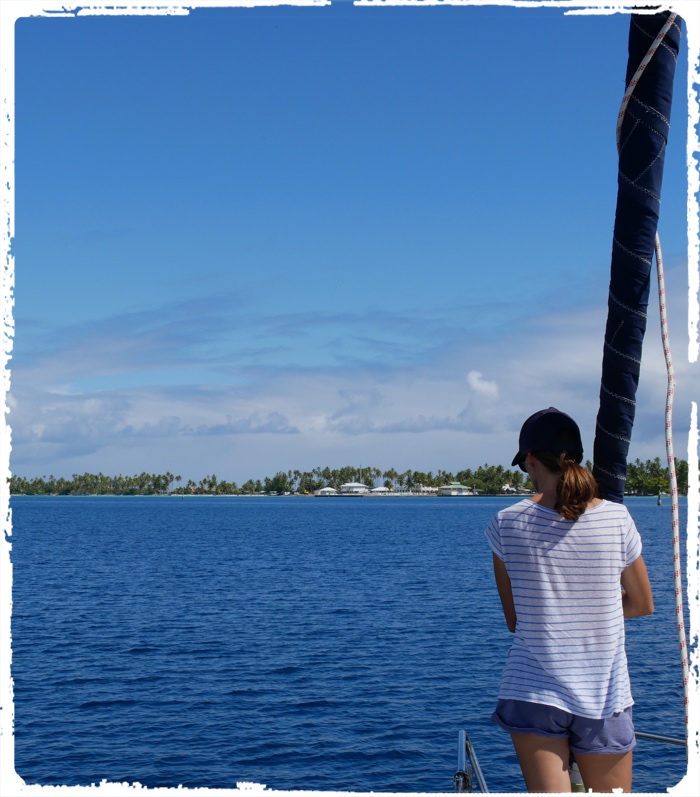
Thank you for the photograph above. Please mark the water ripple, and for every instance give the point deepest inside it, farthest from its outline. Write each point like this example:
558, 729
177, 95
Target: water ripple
304, 644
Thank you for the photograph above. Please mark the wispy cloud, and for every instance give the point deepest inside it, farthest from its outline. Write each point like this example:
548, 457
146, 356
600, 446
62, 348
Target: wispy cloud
188, 373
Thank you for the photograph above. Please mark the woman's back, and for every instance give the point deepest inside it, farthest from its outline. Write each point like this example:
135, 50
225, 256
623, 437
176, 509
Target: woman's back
565, 578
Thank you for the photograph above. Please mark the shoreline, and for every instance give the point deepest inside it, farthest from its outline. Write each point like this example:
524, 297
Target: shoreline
301, 495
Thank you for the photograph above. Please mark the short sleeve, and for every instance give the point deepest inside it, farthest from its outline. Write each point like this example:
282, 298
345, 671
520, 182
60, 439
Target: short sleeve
493, 537
633, 542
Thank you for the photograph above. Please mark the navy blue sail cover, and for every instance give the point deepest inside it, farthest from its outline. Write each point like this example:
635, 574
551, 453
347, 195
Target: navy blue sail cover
642, 148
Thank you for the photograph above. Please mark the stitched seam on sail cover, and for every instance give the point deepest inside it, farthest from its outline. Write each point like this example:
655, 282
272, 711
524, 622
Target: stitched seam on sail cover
670, 50
641, 174
647, 126
652, 37
624, 306
631, 253
631, 133
612, 434
638, 187
621, 354
650, 109
653, 131
608, 473
620, 398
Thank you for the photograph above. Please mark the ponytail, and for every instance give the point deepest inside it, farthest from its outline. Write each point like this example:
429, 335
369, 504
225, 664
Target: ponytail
576, 487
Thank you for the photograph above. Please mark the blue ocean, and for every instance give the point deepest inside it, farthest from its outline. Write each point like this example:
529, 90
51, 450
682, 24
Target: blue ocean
298, 642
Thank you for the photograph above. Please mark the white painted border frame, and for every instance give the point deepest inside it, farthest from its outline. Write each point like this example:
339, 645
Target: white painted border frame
11, 785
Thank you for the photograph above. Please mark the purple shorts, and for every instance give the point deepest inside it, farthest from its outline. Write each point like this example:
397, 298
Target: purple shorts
610, 735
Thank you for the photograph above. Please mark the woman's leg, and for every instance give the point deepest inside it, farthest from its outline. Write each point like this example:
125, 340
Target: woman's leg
604, 772
544, 761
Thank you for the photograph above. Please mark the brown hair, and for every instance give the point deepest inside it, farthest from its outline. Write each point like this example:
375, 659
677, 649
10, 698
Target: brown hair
576, 487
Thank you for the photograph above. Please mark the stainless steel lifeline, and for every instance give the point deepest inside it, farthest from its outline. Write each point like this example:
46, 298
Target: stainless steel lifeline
657, 737
468, 770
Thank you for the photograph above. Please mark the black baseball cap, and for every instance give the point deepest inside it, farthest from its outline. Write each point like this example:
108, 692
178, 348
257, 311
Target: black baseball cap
549, 430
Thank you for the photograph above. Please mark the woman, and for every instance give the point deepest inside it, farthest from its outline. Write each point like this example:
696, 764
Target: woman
559, 558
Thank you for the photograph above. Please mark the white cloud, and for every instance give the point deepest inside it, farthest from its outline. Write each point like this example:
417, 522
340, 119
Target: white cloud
478, 384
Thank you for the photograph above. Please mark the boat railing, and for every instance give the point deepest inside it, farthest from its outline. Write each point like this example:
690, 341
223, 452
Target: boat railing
657, 737
469, 774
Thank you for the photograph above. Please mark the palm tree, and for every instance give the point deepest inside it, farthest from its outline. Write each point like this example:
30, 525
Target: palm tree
392, 475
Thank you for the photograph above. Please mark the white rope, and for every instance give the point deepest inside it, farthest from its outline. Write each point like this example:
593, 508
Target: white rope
671, 385
675, 520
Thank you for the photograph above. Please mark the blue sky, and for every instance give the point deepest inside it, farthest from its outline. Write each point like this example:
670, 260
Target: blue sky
255, 239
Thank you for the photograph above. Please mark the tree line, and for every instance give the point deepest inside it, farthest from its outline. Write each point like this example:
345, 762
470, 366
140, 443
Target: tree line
643, 478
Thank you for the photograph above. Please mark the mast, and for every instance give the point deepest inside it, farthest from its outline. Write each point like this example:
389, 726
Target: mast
643, 128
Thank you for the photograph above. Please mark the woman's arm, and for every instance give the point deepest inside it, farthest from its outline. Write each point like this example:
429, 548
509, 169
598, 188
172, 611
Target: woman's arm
637, 599
505, 591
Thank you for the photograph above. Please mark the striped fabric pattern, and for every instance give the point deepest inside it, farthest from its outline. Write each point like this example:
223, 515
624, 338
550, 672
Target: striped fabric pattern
569, 646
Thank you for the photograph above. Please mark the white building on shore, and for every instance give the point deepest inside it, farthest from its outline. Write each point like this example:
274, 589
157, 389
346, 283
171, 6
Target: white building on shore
353, 488
454, 488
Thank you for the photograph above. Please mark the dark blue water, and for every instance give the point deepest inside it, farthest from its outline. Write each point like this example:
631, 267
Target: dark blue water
330, 644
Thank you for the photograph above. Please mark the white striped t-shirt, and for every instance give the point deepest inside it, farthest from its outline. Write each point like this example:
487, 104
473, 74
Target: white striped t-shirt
569, 646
